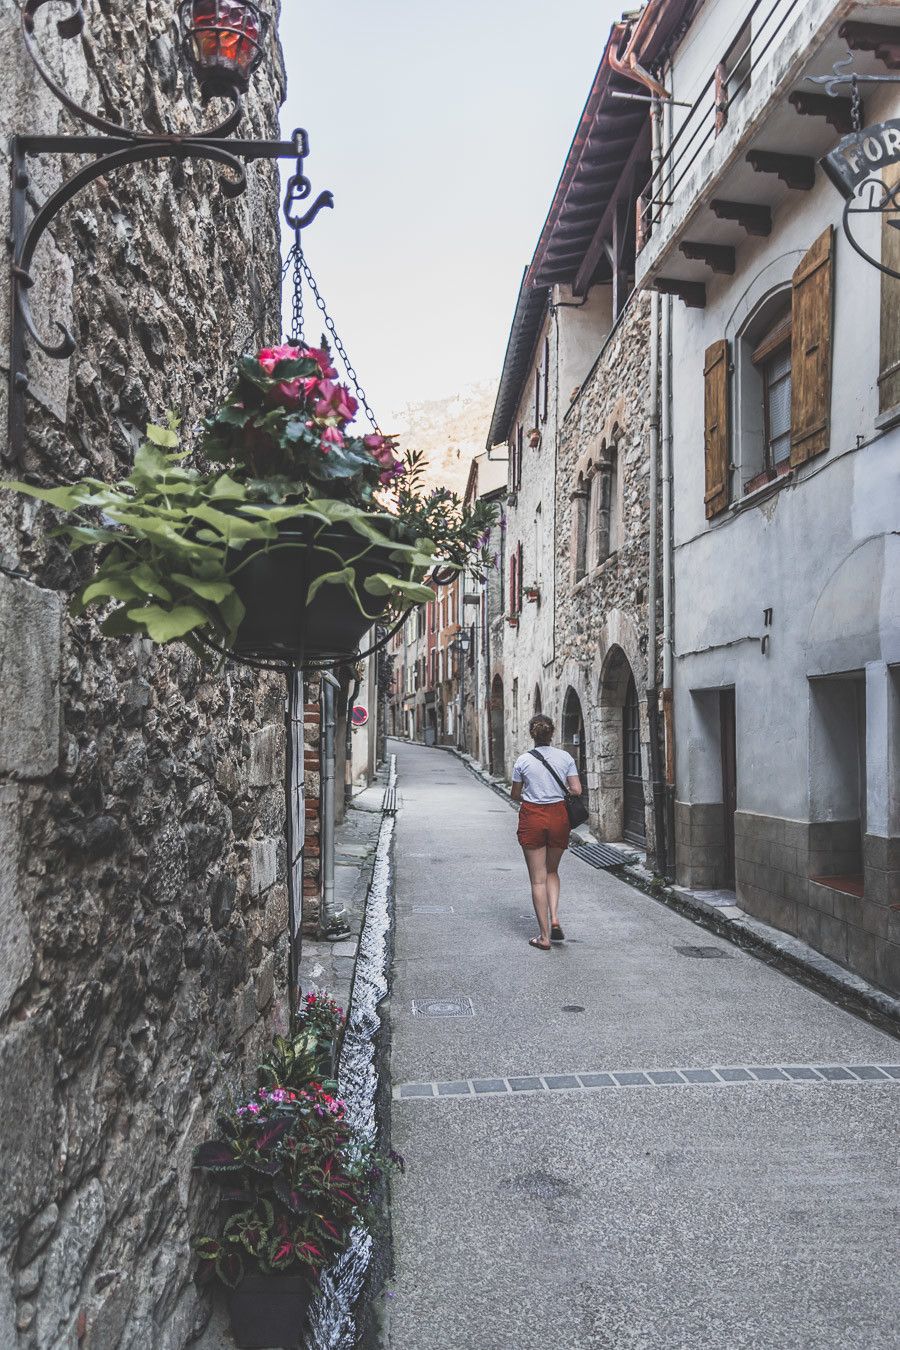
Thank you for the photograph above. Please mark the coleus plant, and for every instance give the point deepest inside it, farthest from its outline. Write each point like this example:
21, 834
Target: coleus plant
310, 1050
298, 1180
173, 537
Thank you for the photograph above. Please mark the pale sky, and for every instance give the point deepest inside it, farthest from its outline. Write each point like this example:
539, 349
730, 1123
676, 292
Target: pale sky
442, 130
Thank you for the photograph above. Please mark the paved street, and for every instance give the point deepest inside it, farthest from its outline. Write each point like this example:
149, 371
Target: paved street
580, 1211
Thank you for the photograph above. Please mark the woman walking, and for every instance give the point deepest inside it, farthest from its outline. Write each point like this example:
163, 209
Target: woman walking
543, 828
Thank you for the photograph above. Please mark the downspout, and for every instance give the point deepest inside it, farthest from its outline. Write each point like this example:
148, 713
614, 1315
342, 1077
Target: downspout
667, 577
656, 775
327, 915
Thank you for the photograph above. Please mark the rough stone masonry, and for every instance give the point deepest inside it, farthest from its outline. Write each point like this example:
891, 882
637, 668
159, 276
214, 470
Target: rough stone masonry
143, 904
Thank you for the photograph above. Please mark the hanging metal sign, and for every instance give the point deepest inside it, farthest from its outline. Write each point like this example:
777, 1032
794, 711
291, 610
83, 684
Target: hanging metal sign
857, 168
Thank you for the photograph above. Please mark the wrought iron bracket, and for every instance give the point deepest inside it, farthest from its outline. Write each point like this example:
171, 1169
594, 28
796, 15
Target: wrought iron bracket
113, 148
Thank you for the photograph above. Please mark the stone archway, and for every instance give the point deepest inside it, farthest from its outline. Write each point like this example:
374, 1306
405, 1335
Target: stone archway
622, 811
498, 731
572, 735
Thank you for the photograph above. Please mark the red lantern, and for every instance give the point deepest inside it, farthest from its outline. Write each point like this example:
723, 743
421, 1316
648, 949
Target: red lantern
223, 42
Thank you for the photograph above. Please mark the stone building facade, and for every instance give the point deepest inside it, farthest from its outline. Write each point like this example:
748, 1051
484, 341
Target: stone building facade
143, 900
602, 562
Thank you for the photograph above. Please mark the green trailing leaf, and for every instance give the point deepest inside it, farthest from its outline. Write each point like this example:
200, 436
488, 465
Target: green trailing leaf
382, 583
345, 577
207, 590
165, 436
163, 625
110, 588
234, 526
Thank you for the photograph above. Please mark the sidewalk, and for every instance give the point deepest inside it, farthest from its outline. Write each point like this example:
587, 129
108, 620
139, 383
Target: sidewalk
580, 1173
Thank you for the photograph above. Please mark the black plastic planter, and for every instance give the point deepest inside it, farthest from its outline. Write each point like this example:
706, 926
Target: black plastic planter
273, 582
269, 1311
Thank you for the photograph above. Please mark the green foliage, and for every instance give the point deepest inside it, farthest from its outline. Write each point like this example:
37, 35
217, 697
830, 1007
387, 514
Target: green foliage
172, 539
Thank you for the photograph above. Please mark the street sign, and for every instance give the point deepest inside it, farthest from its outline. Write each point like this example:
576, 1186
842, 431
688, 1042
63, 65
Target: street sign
857, 167
359, 717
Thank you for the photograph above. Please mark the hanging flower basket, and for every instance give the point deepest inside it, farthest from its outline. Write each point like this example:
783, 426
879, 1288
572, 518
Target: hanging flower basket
305, 537
274, 582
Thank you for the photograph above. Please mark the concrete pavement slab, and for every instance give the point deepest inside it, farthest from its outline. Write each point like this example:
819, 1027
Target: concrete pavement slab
754, 1212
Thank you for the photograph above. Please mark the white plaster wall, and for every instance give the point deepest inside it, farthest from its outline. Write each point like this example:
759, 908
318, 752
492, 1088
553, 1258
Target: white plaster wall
819, 552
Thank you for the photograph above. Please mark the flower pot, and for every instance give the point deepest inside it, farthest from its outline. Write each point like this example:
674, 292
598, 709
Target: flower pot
269, 1311
272, 581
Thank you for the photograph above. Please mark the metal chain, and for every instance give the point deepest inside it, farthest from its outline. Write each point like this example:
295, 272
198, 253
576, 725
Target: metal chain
855, 113
296, 257
338, 345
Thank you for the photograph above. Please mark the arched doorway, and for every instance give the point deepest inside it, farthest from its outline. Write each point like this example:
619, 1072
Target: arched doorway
622, 806
498, 736
572, 734
633, 822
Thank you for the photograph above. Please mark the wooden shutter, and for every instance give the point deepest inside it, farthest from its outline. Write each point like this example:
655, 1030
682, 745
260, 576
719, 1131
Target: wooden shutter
716, 434
811, 351
889, 359
513, 563
519, 570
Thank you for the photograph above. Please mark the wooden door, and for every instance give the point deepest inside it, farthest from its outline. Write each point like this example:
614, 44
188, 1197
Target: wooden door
729, 778
633, 822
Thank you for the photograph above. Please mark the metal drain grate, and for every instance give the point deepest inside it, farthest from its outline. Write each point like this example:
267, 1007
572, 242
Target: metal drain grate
704, 953
453, 1006
602, 855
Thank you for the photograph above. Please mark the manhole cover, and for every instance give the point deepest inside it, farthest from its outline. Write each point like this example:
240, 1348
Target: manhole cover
572, 1007
704, 953
433, 909
442, 1007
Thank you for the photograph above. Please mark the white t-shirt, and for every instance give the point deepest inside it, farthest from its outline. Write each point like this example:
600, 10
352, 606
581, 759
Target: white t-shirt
541, 787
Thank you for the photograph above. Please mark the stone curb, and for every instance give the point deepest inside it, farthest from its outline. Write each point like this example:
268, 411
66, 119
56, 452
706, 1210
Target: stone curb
734, 925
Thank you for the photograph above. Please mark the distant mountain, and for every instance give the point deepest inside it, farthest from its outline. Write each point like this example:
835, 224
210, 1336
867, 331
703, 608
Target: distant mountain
449, 430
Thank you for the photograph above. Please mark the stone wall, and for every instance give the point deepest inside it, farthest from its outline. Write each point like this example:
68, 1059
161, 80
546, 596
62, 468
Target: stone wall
602, 616
143, 904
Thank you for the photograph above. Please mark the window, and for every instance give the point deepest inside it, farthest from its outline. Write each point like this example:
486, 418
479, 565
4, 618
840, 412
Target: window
763, 389
520, 446
773, 360
515, 581
537, 398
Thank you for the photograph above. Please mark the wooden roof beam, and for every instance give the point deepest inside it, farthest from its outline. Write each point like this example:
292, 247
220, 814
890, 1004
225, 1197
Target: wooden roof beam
603, 231
837, 111
873, 37
718, 257
797, 171
693, 293
751, 217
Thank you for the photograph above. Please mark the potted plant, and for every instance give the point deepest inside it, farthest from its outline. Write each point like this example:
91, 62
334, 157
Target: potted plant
311, 1051
301, 537
296, 1180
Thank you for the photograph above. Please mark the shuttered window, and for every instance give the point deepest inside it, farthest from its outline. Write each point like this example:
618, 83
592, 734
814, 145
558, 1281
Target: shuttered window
716, 437
811, 309
889, 362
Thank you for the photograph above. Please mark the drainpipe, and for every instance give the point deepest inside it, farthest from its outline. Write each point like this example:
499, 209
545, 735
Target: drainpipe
656, 776
327, 915
667, 552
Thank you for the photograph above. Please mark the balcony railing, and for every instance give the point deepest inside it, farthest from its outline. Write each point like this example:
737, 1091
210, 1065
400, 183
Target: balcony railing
709, 113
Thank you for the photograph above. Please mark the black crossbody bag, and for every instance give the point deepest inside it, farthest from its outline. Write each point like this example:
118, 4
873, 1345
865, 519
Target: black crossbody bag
575, 807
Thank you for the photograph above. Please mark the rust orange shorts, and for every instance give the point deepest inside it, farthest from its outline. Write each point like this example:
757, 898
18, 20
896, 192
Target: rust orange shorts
543, 825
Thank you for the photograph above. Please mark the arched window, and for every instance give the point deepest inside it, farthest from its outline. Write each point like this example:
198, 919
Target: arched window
536, 706
763, 393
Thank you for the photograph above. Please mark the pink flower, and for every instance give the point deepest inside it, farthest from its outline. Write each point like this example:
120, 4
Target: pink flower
296, 391
269, 357
322, 359
331, 436
335, 400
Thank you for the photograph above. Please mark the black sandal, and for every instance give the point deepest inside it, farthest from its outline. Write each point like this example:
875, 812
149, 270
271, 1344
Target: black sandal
556, 933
